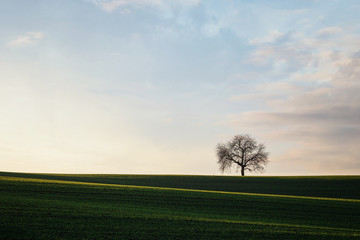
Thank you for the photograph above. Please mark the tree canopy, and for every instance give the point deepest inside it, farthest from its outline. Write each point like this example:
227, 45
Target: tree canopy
244, 152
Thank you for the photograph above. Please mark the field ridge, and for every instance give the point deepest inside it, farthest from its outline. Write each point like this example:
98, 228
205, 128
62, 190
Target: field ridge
174, 189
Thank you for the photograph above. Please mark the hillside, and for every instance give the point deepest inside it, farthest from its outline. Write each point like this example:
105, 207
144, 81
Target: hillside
315, 186
40, 208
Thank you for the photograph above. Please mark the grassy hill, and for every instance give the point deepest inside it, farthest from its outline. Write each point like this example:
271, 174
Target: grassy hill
318, 186
41, 206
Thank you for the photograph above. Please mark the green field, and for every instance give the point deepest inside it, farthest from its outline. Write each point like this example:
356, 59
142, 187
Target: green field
44, 206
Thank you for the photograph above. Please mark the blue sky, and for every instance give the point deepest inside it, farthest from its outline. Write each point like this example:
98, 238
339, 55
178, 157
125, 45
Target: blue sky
151, 86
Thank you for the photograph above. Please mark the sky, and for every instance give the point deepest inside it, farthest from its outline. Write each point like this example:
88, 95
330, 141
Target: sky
151, 86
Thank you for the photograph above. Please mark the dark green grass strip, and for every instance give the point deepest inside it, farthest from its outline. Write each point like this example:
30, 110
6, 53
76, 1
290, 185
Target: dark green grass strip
313, 186
56, 210
173, 189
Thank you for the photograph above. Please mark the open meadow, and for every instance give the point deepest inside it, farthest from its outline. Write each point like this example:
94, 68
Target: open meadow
54, 206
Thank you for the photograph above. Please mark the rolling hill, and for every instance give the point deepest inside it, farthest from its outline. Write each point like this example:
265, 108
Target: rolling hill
54, 206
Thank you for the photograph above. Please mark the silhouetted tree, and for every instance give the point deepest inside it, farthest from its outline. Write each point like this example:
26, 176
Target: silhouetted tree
244, 152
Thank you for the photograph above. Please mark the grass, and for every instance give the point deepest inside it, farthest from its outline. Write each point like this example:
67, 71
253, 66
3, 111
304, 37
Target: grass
319, 186
67, 207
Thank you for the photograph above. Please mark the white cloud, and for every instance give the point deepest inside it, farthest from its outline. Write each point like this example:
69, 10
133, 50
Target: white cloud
36, 35
28, 39
111, 5
271, 37
314, 105
329, 31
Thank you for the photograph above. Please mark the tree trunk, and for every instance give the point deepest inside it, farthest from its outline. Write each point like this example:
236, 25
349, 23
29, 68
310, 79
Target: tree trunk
242, 171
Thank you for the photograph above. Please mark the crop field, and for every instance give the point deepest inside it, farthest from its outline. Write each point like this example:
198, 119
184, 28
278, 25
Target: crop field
53, 206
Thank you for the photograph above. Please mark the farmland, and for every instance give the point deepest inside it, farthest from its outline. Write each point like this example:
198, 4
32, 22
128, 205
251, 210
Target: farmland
54, 206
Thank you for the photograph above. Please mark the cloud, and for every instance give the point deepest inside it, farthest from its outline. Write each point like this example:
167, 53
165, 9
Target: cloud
312, 101
28, 39
288, 54
328, 31
272, 36
324, 123
111, 5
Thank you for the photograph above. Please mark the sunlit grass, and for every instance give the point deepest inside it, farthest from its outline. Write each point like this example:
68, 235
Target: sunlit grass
343, 187
169, 189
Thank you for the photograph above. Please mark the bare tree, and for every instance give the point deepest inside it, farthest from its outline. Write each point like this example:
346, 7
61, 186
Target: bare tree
244, 152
